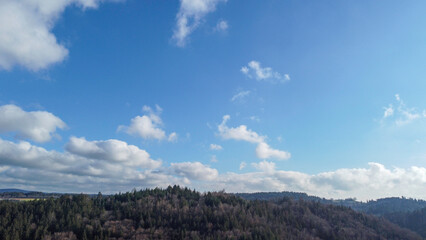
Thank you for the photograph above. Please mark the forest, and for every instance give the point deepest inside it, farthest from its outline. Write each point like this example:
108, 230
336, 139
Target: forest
182, 213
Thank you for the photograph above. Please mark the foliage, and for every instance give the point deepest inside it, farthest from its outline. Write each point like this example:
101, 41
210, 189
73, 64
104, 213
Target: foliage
181, 213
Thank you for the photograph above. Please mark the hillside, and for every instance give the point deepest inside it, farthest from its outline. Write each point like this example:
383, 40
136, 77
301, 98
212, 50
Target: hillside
177, 213
377, 207
405, 212
415, 221
13, 190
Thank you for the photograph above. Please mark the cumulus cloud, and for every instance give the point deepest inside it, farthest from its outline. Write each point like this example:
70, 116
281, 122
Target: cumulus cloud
26, 32
189, 17
265, 166
240, 96
82, 157
194, 171
38, 126
255, 70
264, 151
242, 133
215, 147
373, 182
239, 133
112, 150
148, 126
86, 165
111, 166
402, 115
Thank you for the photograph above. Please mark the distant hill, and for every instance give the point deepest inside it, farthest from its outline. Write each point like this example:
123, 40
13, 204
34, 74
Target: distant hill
415, 221
377, 207
405, 212
181, 213
13, 190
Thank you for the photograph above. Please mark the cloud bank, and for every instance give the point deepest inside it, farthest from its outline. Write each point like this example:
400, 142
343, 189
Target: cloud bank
113, 165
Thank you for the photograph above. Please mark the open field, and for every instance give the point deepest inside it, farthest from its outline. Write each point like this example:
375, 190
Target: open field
19, 199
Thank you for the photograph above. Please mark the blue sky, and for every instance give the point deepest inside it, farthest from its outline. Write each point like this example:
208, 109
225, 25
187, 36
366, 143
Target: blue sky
321, 97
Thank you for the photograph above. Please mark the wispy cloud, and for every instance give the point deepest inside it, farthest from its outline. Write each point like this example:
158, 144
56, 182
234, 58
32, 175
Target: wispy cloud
221, 26
215, 147
402, 114
189, 17
255, 70
254, 118
242, 133
240, 96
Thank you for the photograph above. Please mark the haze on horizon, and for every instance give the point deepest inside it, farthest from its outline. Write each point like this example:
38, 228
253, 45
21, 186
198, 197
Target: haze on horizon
326, 98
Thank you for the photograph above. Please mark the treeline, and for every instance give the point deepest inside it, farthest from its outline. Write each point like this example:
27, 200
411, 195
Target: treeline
405, 212
181, 213
379, 207
415, 220
38, 195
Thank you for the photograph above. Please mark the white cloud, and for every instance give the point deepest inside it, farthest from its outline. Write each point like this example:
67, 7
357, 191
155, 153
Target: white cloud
373, 182
214, 159
194, 170
112, 150
173, 137
148, 126
93, 158
255, 118
242, 133
38, 126
189, 17
402, 115
388, 111
264, 151
26, 37
239, 133
287, 77
221, 26
245, 70
110, 166
240, 95
254, 69
215, 147
265, 166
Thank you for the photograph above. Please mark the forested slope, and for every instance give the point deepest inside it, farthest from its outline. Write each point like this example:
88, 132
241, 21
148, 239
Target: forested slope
177, 213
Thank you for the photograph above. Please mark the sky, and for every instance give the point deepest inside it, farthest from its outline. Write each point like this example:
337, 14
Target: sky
323, 97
